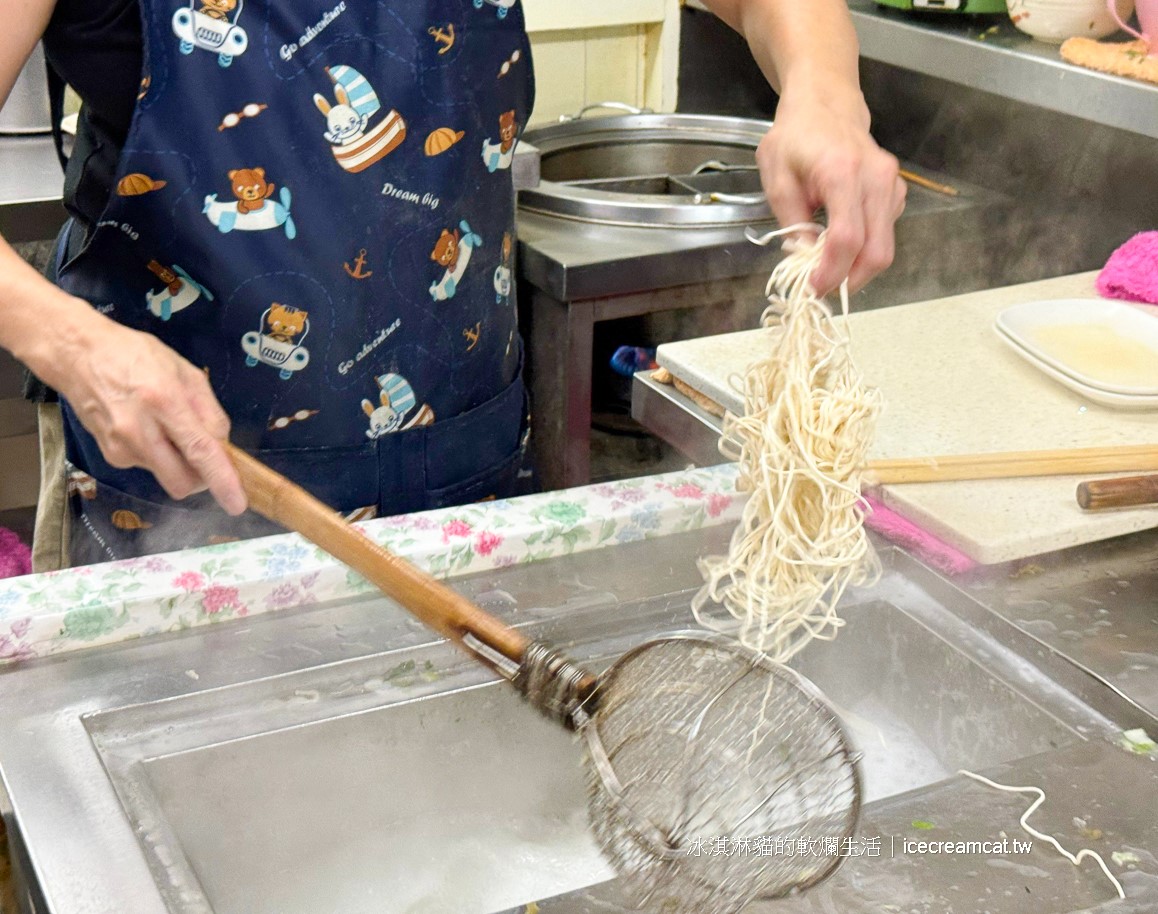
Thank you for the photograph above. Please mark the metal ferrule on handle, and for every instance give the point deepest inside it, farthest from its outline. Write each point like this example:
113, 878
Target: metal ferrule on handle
556, 686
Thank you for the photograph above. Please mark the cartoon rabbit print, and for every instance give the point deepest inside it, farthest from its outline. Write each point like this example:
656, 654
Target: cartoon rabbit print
384, 419
344, 125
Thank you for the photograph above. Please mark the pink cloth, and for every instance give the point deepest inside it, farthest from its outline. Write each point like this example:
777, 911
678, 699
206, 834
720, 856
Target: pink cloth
924, 545
15, 557
1131, 273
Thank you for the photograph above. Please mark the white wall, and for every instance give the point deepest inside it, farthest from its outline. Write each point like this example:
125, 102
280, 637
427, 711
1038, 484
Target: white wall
603, 50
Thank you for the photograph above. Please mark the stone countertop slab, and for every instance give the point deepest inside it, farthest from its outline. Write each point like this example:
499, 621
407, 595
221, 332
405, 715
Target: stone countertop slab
952, 387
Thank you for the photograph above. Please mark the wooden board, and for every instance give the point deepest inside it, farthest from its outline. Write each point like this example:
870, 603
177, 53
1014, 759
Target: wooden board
952, 387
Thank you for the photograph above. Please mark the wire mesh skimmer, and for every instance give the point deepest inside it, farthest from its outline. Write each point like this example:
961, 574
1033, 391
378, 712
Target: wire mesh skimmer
716, 776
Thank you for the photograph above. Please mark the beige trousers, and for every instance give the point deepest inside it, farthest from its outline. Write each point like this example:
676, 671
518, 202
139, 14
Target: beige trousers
50, 539
49, 553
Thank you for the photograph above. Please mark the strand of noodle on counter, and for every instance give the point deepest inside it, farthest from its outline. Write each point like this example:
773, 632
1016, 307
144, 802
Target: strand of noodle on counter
1075, 859
801, 447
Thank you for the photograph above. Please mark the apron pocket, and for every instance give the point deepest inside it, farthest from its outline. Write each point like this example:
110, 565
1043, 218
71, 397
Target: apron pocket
344, 477
108, 523
499, 481
462, 448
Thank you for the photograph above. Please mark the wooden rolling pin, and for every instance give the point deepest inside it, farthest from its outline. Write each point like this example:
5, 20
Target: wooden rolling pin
444, 610
1011, 464
1124, 492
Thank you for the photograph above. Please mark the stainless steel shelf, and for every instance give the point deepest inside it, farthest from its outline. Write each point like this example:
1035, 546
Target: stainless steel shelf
676, 420
1006, 63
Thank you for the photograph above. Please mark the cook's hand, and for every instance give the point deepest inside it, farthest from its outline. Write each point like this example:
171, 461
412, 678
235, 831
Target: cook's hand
148, 407
820, 153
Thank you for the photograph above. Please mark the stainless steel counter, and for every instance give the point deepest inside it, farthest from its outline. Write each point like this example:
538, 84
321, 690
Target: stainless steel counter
1097, 604
1006, 62
287, 763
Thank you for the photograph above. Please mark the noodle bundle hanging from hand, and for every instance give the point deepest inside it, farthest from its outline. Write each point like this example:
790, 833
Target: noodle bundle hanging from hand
802, 445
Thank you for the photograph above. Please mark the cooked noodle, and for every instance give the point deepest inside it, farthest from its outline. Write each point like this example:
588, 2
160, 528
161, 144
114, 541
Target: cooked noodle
1075, 859
801, 446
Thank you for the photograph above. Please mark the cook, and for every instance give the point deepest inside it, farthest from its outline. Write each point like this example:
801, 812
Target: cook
290, 223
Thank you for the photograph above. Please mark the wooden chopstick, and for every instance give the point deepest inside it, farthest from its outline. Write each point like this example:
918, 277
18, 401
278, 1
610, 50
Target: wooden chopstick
1120, 459
929, 183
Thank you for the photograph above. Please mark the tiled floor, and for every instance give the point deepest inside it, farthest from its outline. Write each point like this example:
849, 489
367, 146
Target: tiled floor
616, 456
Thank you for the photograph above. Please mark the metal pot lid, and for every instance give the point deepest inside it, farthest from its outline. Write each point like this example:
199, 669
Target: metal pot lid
653, 170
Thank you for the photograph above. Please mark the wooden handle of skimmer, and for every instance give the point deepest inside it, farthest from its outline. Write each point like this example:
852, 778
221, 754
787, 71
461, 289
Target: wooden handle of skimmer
447, 612
1124, 492
1011, 464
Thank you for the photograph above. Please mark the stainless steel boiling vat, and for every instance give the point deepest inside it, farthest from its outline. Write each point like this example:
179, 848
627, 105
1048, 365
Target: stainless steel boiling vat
650, 170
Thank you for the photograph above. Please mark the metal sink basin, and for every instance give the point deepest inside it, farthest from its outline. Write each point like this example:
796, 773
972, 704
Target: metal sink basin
663, 170
425, 806
408, 782
334, 759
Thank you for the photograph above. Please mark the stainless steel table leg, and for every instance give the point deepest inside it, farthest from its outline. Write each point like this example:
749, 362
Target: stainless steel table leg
559, 373
577, 405
560, 337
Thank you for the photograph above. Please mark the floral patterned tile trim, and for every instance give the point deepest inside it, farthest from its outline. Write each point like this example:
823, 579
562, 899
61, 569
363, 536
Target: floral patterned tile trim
46, 614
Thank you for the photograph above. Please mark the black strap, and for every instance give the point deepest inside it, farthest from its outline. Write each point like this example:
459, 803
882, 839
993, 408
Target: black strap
56, 111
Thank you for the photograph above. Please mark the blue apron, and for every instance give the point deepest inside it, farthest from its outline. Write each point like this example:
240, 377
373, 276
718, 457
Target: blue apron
314, 205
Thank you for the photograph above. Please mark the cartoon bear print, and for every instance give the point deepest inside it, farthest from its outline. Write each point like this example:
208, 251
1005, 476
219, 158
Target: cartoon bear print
446, 249
180, 290
218, 9
499, 155
452, 252
278, 342
508, 130
251, 209
284, 324
250, 188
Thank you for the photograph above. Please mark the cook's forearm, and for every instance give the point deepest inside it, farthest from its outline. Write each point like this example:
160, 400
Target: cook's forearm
145, 405
39, 323
808, 43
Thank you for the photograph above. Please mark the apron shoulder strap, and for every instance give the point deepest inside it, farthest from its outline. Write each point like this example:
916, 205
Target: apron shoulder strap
56, 111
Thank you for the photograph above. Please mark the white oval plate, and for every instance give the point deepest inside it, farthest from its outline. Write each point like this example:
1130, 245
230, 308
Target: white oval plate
1097, 342
1096, 394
